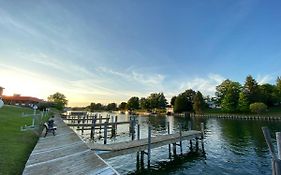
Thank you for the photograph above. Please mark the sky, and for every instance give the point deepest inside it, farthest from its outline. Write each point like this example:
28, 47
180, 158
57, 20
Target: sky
108, 51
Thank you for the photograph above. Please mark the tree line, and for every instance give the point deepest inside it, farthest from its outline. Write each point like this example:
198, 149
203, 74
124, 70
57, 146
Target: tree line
230, 96
234, 97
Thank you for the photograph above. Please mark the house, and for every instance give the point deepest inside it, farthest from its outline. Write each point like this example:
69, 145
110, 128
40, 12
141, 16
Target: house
1, 91
17, 99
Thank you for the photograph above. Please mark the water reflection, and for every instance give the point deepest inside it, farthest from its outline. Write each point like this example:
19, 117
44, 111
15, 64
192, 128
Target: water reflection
232, 147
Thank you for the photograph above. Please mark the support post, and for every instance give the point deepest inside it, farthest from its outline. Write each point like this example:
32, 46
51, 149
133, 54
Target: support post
189, 125
169, 145
181, 138
278, 140
105, 131
197, 144
202, 137
149, 146
94, 119
190, 148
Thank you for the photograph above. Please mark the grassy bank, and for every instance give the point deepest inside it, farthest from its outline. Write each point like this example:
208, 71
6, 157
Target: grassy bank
270, 111
15, 145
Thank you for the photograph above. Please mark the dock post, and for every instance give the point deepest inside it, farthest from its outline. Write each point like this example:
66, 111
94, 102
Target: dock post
83, 123
190, 148
149, 146
132, 127
169, 145
100, 121
197, 144
105, 131
278, 140
138, 154
189, 125
202, 137
115, 127
94, 119
181, 138
138, 131
174, 149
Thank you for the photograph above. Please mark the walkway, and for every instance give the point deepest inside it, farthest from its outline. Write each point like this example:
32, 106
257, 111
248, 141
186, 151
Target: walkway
64, 153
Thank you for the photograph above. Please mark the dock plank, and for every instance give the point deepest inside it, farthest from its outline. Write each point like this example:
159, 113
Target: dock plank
117, 149
64, 153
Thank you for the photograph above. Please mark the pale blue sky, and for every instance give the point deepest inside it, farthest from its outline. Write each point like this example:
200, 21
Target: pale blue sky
107, 51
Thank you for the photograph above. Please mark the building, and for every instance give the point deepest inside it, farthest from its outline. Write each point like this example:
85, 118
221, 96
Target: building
19, 100
1, 91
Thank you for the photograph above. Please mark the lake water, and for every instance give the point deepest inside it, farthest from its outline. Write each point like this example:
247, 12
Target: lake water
231, 146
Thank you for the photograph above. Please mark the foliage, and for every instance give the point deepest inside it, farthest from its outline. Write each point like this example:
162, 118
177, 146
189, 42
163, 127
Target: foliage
173, 99
44, 105
133, 103
122, 106
243, 103
251, 89
59, 99
222, 89
258, 107
111, 107
182, 104
97, 107
198, 103
230, 96
157, 100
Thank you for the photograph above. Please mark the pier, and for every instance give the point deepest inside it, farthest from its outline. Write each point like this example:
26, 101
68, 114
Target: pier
65, 153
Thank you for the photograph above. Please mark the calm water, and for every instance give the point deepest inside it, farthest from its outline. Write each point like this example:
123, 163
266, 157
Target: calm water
232, 147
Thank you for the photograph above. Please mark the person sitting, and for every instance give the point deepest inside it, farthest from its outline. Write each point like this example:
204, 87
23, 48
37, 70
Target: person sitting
50, 126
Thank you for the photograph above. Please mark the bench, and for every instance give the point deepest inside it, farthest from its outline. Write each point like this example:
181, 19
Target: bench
49, 129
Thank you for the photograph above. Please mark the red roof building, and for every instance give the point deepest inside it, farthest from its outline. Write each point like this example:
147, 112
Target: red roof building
21, 100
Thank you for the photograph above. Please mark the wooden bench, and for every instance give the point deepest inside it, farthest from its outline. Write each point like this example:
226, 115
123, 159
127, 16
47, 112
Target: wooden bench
48, 129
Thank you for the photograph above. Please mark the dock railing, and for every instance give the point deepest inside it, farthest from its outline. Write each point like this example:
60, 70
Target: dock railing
276, 159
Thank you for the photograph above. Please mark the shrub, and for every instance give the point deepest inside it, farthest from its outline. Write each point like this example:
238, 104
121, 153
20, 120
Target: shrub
258, 107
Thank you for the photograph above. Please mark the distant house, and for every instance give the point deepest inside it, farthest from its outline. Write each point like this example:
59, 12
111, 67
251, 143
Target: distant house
169, 109
1, 91
19, 100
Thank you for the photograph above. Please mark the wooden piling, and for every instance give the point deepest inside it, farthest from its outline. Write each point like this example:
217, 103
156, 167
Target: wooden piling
105, 132
202, 137
180, 138
169, 145
149, 146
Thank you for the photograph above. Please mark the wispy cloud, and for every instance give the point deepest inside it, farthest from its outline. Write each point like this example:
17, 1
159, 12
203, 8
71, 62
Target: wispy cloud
206, 85
131, 75
262, 79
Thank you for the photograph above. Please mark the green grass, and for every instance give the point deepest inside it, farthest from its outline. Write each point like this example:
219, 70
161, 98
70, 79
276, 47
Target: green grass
15, 145
270, 111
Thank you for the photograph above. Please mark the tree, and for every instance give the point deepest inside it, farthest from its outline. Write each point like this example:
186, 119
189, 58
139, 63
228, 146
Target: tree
182, 104
173, 99
268, 94
230, 98
157, 100
122, 106
97, 107
258, 107
144, 103
198, 103
222, 89
243, 103
133, 103
59, 99
111, 107
251, 89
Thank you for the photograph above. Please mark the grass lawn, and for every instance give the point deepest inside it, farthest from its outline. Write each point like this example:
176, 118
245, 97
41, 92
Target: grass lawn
270, 111
15, 145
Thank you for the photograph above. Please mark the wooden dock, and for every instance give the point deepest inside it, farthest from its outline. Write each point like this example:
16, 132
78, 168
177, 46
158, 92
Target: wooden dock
64, 153
118, 149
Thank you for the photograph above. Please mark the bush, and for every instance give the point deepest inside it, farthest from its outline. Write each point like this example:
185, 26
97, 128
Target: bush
258, 107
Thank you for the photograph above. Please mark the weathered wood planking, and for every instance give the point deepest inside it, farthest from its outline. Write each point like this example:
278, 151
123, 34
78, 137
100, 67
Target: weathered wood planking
64, 153
117, 149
